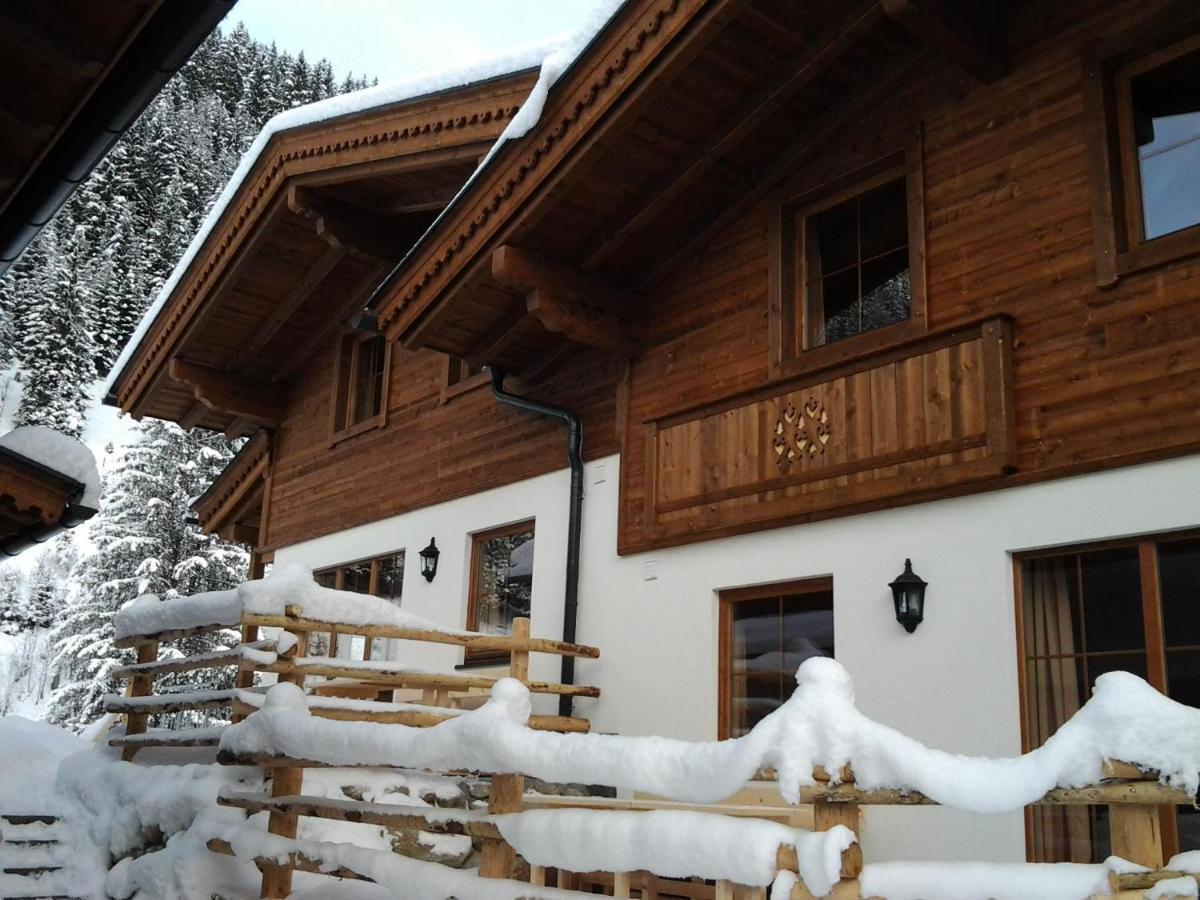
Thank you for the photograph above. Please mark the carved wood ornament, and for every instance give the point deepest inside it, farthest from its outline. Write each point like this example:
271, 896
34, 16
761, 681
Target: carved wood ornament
801, 433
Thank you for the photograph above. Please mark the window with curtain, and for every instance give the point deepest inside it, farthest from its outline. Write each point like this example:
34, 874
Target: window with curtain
1093, 611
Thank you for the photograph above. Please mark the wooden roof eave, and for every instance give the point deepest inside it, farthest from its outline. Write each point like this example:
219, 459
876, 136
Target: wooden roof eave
36, 502
474, 115
605, 79
233, 491
508, 201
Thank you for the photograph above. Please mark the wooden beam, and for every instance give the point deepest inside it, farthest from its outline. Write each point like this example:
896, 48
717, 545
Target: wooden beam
584, 324
524, 271
498, 338
816, 136
192, 417
229, 393
61, 40
324, 335
343, 225
829, 44
970, 34
287, 307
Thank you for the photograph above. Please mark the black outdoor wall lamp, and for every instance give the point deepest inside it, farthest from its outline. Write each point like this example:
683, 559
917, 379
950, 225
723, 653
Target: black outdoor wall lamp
429, 557
908, 592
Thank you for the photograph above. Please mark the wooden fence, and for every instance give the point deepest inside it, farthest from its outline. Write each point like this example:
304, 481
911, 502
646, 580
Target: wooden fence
1134, 797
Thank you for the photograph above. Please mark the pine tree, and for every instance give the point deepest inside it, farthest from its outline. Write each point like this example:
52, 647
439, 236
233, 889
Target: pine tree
144, 544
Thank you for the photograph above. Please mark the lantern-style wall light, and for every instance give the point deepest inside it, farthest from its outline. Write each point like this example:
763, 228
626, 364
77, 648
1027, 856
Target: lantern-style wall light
908, 592
429, 557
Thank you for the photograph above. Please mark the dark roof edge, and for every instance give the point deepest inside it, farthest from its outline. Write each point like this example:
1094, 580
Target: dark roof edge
156, 53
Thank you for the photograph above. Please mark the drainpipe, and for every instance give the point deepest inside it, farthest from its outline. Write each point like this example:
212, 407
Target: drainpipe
575, 459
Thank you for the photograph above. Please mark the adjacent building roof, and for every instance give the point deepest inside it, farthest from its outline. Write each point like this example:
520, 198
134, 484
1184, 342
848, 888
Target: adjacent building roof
48, 482
83, 71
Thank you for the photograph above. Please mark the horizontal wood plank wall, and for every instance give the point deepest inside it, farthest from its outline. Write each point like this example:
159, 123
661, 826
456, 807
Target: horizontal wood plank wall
429, 451
1099, 378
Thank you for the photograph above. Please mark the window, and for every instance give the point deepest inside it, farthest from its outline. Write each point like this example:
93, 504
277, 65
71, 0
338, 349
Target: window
1146, 101
765, 634
360, 398
847, 266
461, 377
1132, 606
501, 583
856, 264
383, 577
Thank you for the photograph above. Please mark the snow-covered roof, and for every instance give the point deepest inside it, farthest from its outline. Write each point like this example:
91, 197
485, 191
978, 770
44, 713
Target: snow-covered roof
55, 451
553, 58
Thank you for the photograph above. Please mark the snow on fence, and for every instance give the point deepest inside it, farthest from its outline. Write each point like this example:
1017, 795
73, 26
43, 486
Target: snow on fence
1129, 748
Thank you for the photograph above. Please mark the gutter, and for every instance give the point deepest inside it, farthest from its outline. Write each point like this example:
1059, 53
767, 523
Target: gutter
158, 51
575, 521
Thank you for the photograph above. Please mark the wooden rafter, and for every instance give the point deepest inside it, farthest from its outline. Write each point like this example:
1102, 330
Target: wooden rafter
347, 226
499, 338
287, 307
228, 393
816, 137
828, 44
970, 34
579, 322
517, 268
335, 322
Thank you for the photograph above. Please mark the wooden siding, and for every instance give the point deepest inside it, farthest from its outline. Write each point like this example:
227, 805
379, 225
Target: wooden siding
429, 450
1101, 377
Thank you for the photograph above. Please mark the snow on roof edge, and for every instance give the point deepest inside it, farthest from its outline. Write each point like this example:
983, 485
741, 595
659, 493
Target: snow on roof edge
330, 109
56, 452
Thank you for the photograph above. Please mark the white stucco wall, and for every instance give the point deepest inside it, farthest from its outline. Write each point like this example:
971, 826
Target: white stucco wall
951, 684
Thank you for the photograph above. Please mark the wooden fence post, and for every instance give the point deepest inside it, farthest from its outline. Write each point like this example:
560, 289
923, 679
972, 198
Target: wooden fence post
825, 816
139, 686
621, 884
285, 782
245, 676
1134, 832
507, 790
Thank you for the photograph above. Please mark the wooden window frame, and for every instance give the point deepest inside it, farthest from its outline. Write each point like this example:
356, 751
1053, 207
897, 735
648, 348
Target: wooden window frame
478, 538
1154, 638
726, 600
457, 381
1114, 174
793, 350
339, 584
345, 384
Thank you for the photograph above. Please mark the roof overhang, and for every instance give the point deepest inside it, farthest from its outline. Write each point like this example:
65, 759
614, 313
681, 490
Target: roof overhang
36, 502
232, 507
679, 117
80, 72
323, 214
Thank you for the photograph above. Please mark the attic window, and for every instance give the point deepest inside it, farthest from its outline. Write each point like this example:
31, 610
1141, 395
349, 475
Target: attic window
460, 377
856, 264
848, 264
360, 390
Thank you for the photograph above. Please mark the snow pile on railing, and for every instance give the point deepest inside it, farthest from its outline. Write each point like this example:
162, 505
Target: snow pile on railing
292, 585
818, 726
990, 881
674, 844
149, 614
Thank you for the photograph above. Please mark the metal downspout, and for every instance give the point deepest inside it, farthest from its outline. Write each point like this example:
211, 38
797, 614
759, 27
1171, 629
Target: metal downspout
575, 521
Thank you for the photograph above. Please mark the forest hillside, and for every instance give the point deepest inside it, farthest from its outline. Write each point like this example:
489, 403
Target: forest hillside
67, 307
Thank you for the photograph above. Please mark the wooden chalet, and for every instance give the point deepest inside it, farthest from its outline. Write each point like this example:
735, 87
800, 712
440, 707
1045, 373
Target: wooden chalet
828, 285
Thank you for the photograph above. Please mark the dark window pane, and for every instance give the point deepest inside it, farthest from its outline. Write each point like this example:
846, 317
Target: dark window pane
769, 640
837, 237
328, 578
1179, 579
357, 578
391, 578
1055, 689
368, 378
1050, 595
1166, 112
503, 581
1112, 600
1183, 676
840, 296
886, 291
1189, 828
1118, 662
883, 214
